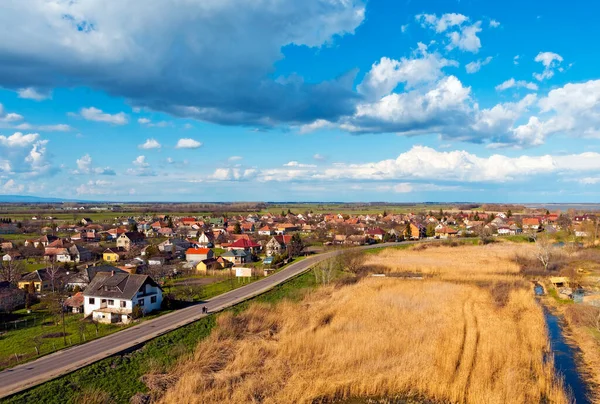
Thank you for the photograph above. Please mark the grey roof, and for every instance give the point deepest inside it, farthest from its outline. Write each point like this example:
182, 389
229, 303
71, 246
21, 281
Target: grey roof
117, 285
235, 253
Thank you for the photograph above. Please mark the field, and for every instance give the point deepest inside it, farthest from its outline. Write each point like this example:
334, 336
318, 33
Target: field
117, 379
469, 331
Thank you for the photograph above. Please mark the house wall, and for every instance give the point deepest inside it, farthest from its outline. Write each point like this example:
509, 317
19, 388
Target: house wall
88, 308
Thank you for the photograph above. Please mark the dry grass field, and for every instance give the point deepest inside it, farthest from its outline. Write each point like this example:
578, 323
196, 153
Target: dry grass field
452, 337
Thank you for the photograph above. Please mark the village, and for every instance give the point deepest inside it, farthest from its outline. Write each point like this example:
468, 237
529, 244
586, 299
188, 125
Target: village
115, 271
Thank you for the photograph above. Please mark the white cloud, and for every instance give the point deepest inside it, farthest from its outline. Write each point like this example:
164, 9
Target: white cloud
589, 180
150, 144
23, 153
442, 23
8, 117
84, 164
97, 115
466, 39
297, 164
32, 93
11, 187
475, 66
423, 163
235, 158
143, 121
316, 125
319, 157
516, 60
461, 36
149, 123
494, 24
386, 74
404, 28
510, 83
187, 143
140, 161
97, 187
43, 128
550, 61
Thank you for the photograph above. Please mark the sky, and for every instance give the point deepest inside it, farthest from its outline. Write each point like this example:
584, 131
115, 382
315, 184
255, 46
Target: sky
318, 100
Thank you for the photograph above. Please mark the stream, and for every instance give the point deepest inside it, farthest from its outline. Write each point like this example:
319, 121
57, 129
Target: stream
564, 360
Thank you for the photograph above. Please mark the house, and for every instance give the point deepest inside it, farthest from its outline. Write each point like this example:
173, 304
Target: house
265, 231
111, 297
285, 228
532, 223
375, 234
75, 303
416, 231
130, 239
79, 253
198, 254
212, 264
11, 298
277, 244
85, 276
6, 245
165, 232
110, 256
86, 221
446, 232
244, 244
206, 239
11, 256
237, 257
41, 280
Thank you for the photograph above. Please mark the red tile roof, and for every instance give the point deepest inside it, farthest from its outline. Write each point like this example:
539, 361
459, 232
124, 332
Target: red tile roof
198, 251
244, 243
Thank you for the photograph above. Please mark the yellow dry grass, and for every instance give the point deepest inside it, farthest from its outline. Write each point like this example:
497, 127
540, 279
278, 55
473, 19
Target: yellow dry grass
381, 337
465, 263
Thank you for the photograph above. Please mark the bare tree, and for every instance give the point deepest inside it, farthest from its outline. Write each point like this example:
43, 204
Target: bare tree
325, 271
352, 260
543, 250
10, 271
53, 272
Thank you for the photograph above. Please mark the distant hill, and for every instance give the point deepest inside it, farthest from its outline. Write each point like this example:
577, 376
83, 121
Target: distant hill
31, 199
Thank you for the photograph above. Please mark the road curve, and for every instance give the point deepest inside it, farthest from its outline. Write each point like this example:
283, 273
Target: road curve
59, 363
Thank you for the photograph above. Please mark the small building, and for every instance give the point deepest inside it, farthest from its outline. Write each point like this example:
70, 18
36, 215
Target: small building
130, 239
111, 296
237, 257
446, 232
110, 256
75, 303
198, 254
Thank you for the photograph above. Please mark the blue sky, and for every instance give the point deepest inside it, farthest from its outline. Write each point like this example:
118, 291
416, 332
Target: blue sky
320, 100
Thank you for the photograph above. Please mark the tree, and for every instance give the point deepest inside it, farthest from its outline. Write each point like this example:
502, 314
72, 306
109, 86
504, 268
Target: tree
352, 260
53, 272
543, 250
295, 246
324, 271
10, 271
237, 229
408, 232
430, 230
564, 222
509, 213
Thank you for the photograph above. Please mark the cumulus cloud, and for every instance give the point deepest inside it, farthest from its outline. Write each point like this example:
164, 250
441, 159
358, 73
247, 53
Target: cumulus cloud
6, 117
512, 83
32, 93
220, 69
141, 168
97, 115
85, 166
11, 187
297, 164
459, 34
426, 164
23, 153
475, 66
494, 24
319, 157
150, 144
187, 143
550, 61
97, 187
386, 74
149, 123
235, 158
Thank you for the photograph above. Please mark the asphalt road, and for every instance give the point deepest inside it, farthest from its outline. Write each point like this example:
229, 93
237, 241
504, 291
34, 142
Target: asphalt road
48, 367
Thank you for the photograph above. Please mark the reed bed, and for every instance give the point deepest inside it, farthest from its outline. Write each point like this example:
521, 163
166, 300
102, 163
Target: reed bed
381, 337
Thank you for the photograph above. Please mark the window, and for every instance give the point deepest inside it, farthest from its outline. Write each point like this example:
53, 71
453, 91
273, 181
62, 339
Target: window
92, 300
111, 302
141, 302
152, 299
123, 303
